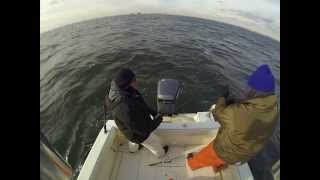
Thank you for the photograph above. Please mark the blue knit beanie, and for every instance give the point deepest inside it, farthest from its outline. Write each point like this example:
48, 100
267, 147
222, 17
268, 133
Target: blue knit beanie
262, 79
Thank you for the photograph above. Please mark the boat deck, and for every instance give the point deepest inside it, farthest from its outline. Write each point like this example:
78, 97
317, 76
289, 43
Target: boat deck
135, 166
110, 159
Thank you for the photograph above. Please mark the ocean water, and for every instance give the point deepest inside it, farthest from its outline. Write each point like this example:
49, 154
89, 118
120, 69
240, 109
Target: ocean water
77, 62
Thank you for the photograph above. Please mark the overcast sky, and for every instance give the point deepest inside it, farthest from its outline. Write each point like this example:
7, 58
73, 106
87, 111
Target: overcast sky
262, 16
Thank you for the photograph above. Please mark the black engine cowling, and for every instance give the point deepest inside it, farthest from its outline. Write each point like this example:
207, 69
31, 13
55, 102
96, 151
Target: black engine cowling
168, 92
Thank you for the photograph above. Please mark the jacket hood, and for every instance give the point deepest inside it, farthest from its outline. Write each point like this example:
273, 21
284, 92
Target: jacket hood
116, 95
114, 92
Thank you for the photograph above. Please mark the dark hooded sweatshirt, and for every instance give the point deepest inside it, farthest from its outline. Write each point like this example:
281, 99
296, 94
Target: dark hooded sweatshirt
131, 113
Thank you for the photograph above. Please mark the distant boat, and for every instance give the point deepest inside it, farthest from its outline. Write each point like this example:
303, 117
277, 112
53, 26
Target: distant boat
134, 14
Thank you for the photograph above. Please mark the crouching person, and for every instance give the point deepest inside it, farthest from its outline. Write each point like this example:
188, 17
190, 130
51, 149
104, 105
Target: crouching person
132, 115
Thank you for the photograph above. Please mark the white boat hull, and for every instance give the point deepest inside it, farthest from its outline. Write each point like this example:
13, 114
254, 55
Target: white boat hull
109, 158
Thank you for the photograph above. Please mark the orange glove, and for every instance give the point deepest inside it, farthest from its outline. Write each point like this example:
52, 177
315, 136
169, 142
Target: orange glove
206, 157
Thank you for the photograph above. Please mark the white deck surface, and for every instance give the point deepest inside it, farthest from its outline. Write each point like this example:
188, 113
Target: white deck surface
135, 166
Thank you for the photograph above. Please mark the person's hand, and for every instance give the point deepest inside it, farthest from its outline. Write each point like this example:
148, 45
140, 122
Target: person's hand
189, 155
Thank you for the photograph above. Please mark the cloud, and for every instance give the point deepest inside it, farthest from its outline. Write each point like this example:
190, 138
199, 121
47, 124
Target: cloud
253, 14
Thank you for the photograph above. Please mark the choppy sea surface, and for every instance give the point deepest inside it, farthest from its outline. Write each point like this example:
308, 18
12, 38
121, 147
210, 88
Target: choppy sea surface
77, 62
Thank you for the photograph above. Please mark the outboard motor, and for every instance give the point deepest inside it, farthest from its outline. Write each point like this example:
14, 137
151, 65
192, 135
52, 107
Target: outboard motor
168, 92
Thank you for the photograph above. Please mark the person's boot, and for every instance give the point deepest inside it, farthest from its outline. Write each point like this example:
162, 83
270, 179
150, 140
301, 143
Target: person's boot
140, 147
166, 149
133, 147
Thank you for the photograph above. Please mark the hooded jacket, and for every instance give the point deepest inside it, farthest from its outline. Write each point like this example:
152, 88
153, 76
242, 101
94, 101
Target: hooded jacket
245, 127
131, 113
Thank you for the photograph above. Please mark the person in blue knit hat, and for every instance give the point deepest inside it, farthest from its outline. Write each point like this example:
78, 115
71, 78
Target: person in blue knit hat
246, 125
